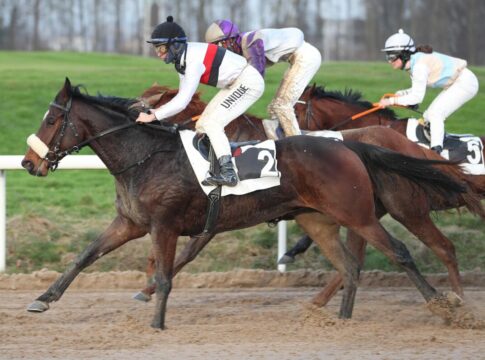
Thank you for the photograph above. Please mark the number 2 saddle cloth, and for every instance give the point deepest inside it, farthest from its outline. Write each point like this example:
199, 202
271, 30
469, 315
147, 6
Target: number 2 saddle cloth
255, 165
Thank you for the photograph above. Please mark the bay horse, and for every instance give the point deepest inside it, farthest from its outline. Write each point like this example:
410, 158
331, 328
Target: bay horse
319, 109
162, 196
413, 213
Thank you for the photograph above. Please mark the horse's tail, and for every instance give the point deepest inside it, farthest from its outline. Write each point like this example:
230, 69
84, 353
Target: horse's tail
449, 190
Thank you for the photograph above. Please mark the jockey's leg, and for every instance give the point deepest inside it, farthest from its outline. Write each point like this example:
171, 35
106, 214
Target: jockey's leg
227, 105
448, 101
304, 63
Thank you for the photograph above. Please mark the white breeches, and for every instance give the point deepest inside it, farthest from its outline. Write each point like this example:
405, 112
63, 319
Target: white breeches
449, 100
227, 105
304, 63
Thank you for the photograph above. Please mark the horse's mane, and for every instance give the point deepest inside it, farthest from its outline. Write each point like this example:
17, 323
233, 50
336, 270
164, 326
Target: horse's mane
349, 96
117, 105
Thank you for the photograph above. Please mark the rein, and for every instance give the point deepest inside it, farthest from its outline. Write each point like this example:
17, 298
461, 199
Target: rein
358, 116
375, 107
53, 157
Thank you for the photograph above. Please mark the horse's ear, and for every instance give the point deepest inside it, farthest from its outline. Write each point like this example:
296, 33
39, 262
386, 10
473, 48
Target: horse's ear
67, 88
312, 90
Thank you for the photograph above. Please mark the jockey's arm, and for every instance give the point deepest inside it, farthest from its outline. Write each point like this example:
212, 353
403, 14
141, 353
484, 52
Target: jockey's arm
256, 56
187, 88
415, 94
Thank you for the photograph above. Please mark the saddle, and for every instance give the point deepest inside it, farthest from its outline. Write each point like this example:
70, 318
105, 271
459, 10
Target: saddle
466, 149
203, 145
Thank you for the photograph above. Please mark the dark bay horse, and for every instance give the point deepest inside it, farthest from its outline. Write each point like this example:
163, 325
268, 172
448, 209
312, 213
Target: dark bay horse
413, 213
162, 196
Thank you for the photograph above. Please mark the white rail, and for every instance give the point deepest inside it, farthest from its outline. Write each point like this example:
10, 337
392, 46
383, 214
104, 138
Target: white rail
13, 162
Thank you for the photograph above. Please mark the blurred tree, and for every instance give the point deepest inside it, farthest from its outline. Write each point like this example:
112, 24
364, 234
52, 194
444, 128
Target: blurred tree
36, 34
118, 30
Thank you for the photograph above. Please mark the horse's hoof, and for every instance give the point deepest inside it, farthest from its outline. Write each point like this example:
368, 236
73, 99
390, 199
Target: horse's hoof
285, 260
38, 306
141, 296
158, 326
454, 299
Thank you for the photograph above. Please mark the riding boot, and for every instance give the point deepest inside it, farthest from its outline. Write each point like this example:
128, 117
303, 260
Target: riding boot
437, 149
227, 174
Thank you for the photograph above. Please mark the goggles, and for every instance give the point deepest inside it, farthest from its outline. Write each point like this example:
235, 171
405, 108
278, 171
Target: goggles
392, 56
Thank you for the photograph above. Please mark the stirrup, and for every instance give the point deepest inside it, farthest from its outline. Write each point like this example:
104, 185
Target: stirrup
220, 180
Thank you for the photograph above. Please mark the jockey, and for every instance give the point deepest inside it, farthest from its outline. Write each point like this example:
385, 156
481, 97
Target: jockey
240, 83
429, 68
265, 47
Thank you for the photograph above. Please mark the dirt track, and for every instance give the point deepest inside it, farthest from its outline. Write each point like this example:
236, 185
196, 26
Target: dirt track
234, 323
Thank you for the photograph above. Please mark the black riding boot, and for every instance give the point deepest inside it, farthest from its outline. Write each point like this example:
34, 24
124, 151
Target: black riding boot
227, 174
437, 149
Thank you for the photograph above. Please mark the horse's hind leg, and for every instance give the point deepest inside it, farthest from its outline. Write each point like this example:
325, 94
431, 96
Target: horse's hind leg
119, 232
395, 250
325, 232
426, 231
146, 293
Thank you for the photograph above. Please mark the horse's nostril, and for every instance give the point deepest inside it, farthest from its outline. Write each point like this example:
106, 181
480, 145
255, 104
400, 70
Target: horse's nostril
27, 164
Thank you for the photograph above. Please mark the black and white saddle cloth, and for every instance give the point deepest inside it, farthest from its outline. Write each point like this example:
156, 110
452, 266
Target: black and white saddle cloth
256, 166
465, 148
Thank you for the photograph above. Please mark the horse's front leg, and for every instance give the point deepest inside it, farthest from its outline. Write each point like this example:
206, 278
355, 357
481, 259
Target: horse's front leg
164, 244
190, 251
300, 247
356, 246
119, 232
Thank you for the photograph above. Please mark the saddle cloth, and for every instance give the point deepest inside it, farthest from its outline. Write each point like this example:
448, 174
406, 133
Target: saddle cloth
467, 148
256, 166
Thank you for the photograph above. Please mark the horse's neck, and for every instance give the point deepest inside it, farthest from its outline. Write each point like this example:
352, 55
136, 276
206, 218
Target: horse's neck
124, 147
246, 128
339, 114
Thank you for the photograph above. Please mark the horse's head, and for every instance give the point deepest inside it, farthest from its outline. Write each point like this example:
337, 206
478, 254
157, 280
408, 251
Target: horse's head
56, 133
316, 110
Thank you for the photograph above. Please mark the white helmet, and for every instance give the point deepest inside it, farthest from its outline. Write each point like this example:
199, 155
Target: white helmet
398, 42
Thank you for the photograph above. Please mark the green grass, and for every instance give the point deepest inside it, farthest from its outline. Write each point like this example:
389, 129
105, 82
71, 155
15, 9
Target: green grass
50, 219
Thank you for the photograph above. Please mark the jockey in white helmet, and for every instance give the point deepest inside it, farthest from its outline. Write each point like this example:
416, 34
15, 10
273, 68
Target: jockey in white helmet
240, 83
265, 47
430, 68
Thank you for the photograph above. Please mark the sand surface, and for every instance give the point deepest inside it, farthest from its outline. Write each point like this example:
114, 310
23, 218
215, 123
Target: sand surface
233, 323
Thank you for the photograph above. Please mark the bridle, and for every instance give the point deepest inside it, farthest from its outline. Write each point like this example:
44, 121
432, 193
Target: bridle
308, 112
54, 156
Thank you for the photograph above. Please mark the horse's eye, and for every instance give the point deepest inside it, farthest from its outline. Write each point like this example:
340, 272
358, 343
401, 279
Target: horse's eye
51, 120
